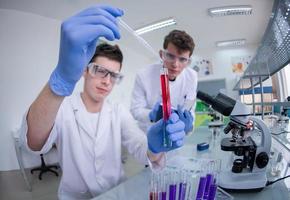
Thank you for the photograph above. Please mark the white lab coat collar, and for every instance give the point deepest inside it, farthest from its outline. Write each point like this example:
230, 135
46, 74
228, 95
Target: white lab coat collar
80, 111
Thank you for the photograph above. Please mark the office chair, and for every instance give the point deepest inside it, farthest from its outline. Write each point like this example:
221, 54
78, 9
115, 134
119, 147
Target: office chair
44, 168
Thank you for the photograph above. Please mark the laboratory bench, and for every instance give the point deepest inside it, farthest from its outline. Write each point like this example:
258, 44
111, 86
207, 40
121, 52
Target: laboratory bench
137, 187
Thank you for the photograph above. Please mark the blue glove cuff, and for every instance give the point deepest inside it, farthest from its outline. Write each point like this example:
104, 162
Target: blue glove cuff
188, 128
151, 149
59, 86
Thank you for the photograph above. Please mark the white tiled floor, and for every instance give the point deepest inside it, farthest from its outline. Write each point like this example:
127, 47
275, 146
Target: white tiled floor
12, 185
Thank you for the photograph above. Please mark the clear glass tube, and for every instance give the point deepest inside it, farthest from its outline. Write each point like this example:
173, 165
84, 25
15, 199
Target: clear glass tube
138, 38
172, 184
182, 184
166, 104
162, 186
153, 193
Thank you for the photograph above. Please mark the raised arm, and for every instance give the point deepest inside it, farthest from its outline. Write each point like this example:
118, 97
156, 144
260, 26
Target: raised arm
41, 116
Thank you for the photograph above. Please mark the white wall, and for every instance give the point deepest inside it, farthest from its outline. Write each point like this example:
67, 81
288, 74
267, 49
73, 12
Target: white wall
221, 59
28, 54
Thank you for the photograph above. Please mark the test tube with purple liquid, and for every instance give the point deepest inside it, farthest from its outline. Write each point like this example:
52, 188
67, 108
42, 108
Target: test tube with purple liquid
182, 185
162, 186
172, 185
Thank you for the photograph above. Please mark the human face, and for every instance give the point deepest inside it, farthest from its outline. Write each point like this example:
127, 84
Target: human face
99, 81
174, 60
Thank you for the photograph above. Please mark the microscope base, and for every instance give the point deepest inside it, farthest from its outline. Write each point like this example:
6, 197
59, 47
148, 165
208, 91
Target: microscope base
243, 181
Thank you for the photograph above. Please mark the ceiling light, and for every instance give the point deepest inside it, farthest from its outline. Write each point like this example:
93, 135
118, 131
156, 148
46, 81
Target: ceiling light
157, 25
231, 43
230, 10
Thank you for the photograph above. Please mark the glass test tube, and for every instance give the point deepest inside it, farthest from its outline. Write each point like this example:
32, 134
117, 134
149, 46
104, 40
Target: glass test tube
182, 185
172, 184
216, 166
190, 181
209, 178
153, 193
201, 184
201, 187
166, 105
162, 186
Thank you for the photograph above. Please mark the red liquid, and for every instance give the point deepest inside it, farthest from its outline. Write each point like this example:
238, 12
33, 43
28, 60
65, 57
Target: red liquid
153, 196
166, 106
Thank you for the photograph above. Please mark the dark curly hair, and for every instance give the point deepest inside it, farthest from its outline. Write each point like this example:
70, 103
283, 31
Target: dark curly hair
181, 40
112, 52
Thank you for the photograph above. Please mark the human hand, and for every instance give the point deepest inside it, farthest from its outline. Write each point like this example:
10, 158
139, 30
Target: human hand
156, 113
186, 117
174, 129
79, 36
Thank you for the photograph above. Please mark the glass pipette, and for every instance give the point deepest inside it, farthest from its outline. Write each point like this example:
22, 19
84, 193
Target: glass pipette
137, 37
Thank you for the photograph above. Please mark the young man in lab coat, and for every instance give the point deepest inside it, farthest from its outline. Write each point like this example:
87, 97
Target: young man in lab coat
178, 46
87, 129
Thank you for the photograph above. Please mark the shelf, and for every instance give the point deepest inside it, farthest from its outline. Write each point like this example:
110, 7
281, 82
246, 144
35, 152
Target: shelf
274, 52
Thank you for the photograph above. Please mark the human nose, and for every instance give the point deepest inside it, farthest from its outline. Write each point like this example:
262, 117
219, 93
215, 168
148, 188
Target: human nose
175, 62
107, 79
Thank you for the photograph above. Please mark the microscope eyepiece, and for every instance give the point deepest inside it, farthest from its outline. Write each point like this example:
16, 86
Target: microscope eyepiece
221, 103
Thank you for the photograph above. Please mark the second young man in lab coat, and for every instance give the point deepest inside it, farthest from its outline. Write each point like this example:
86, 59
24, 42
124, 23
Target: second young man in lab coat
178, 46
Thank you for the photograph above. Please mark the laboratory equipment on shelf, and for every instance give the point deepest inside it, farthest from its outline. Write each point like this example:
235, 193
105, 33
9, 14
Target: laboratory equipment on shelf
247, 167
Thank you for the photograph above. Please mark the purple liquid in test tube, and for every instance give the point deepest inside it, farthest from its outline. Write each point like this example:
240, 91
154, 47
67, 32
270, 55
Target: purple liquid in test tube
201, 188
209, 181
182, 191
172, 192
162, 196
212, 191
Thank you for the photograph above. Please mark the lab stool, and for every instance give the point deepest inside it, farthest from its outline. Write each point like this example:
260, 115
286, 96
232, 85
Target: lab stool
44, 168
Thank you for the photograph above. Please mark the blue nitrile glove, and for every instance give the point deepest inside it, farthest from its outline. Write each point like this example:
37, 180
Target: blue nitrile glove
156, 113
186, 117
79, 35
174, 129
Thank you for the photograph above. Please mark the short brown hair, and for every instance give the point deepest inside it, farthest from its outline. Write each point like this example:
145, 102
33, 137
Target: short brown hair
112, 52
181, 40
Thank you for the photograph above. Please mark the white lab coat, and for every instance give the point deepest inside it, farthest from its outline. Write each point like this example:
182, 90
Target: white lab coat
147, 92
91, 164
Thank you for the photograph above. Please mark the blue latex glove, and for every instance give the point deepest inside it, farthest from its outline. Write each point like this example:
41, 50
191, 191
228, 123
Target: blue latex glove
156, 113
186, 117
79, 36
174, 129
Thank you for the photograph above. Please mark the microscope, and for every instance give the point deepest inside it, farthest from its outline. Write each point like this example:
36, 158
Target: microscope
216, 123
246, 170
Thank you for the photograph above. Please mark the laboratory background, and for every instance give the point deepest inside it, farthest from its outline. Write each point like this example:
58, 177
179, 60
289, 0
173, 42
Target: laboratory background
241, 57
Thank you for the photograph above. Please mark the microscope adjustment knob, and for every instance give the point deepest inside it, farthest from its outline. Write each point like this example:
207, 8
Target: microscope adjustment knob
262, 160
237, 166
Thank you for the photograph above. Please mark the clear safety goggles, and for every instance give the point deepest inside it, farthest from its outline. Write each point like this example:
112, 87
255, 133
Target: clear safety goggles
172, 58
98, 71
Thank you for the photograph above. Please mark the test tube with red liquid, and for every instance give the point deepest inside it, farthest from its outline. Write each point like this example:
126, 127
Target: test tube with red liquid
166, 105
153, 193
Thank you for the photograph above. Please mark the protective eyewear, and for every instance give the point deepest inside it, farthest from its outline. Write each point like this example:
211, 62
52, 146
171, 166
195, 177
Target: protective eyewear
98, 71
172, 58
